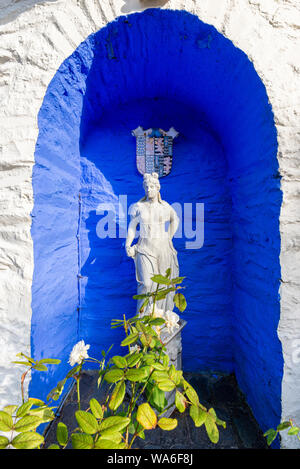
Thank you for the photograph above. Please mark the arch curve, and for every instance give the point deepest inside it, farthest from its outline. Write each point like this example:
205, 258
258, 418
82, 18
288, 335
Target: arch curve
161, 68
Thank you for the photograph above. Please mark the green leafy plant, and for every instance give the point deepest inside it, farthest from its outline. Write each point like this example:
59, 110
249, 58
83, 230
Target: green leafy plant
136, 385
272, 433
21, 422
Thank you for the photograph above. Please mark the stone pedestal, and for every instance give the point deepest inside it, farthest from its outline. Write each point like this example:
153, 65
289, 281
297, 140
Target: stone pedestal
174, 351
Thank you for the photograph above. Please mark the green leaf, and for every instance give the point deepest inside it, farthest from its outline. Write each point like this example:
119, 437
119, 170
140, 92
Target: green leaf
211, 428
82, 441
116, 437
119, 361
72, 372
161, 295
147, 340
175, 375
36, 402
130, 339
180, 401
157, 398
294, 431
157, 322
3, 442
40, 367
24, 408
198, 415
113, 424
6, 422
117, 396
158, 375
62, 433
56, 392
166, 385
137, 374
10, 409
139, 326
148, 359
140, 297
167, 423
177, 280
145, 303
27, 423
112, 376
161, 279
23, 363
191, 394
146, 416
50, 361
269, 432
221, 423
105, 443
158, 366
25, 356
168, 272
96, 408
180, 301
133, 329
132, 360
166, 360
109, 349
87, 422
27, 440
45, 414
271, 435
283, 426
53, 447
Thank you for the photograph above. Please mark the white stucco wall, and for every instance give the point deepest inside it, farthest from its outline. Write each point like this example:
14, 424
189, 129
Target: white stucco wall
35, 37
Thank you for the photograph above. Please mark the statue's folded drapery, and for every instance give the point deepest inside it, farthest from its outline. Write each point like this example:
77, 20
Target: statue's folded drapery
154, 252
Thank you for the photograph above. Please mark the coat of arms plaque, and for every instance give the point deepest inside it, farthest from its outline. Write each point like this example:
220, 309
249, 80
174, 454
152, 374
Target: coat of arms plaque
154, 150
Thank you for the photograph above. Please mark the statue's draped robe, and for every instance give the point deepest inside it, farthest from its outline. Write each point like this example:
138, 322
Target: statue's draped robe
154, 251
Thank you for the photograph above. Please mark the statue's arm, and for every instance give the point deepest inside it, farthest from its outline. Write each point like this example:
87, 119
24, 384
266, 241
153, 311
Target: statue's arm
174, 222
130, 250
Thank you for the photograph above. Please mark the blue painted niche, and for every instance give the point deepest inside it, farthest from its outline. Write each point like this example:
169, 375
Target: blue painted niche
160, 68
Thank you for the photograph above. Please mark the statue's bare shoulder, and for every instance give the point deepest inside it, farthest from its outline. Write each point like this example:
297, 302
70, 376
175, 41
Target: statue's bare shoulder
135, 209
169, 209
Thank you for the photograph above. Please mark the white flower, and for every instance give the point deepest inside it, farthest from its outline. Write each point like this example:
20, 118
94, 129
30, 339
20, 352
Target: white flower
158, 312
135, 348
172, 320
79, 353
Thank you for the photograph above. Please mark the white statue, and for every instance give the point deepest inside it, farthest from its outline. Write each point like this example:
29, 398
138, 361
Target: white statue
154, 252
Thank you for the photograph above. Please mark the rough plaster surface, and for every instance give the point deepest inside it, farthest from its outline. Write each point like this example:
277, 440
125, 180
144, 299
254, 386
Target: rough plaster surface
36, 37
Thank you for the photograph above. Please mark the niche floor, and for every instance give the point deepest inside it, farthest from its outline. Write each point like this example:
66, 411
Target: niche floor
219, 391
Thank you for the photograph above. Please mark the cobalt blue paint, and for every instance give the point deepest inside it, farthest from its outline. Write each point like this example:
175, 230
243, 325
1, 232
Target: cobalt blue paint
161, 68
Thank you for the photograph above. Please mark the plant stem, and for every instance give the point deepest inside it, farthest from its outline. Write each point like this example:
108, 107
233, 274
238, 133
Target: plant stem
132, 440
143, 389
22, 385
77, 385
78, 393
154, 298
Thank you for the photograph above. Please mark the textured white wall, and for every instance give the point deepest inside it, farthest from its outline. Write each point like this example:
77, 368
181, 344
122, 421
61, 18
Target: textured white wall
36, 36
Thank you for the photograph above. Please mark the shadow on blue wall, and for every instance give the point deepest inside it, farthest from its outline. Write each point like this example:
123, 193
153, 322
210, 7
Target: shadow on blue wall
161, 68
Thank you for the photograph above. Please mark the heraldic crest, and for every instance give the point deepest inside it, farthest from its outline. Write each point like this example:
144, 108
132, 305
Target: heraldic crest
154, 150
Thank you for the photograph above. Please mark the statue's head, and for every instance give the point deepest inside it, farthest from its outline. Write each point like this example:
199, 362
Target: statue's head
151, 186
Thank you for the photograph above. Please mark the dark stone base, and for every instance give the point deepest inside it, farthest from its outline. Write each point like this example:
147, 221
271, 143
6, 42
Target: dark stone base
216, 390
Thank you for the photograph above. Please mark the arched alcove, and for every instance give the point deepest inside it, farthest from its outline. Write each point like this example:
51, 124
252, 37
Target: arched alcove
161, 68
